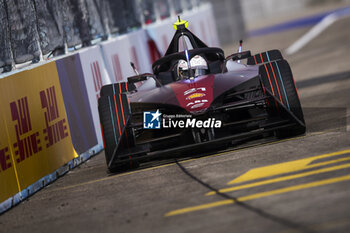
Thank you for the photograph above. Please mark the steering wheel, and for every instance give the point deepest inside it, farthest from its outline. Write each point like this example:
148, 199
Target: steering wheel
181, 55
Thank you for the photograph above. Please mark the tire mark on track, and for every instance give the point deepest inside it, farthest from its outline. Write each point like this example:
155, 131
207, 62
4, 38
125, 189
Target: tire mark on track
225, 152
260, 212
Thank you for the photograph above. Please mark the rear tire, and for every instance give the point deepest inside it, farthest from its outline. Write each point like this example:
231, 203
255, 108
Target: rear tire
106, 112
277, 77
114, 111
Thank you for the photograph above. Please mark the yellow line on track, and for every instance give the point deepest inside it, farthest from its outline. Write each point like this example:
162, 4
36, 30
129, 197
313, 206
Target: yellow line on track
258, 195
285, 178
188, 160
112, 177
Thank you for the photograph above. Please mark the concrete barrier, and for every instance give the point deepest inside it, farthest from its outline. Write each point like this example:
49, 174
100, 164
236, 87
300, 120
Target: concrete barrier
37, 133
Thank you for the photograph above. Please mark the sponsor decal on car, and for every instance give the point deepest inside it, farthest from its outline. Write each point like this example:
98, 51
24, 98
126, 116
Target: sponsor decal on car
195, 95
197, 103
190, 91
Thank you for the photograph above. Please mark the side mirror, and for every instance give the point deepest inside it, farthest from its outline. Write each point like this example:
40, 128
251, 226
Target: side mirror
139, 78
134, 68
239, 56
236, 57
143, 77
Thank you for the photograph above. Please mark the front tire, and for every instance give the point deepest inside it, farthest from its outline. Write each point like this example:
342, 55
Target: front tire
277, 77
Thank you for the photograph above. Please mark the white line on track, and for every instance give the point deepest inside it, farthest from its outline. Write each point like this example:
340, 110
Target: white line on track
313, 33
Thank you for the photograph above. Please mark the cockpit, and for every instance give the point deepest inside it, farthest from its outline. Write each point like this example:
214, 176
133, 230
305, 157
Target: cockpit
198, 66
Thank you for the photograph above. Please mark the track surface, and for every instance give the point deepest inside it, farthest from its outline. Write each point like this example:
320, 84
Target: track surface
311, 195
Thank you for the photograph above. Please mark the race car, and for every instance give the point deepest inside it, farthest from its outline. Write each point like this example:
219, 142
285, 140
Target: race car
198, 100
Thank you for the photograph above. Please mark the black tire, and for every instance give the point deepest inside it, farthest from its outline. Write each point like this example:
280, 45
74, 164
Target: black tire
114, 111
117, 88
107, 116
277, 77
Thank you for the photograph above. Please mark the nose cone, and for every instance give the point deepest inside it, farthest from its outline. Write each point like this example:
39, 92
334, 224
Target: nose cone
195, 95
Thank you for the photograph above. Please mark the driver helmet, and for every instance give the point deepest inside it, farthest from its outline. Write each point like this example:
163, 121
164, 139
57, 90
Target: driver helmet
198, 65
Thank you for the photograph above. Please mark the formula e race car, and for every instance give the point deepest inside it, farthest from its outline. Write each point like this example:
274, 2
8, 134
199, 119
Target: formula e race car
196, 100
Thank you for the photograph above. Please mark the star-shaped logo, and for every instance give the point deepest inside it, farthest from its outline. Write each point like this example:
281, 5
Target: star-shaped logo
156, 115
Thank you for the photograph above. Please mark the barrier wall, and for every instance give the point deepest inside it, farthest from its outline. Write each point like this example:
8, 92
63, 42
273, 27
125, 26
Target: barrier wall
8, 180
95, 76
34, 119
49, 119
77, 104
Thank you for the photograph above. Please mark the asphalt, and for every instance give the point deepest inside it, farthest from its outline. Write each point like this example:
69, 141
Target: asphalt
307, 189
